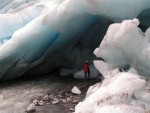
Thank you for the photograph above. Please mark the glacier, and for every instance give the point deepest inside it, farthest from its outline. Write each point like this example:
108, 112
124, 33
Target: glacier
125, 68
125, 46
38, 36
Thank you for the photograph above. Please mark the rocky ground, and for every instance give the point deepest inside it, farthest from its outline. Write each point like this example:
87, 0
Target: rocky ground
16, 96
62, 97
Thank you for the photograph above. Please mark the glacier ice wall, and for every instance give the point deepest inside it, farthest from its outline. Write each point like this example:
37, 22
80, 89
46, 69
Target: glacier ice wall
125, 51
125, 46
37, 36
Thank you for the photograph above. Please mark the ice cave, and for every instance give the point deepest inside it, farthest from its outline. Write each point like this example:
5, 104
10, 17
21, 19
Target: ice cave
38, 37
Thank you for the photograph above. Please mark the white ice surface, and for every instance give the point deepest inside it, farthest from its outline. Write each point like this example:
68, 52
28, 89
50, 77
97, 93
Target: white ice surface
124, 90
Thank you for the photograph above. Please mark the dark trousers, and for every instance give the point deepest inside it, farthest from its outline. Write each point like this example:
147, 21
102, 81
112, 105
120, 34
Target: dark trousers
87, 75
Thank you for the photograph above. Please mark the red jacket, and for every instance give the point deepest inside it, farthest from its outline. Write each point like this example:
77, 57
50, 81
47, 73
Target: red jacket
86, 67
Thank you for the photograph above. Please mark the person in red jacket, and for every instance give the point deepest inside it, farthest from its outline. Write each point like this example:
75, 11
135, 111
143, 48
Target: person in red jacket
86, 70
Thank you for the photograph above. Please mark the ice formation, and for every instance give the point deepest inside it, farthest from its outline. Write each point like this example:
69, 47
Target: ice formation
37, 36
124, 89
125, 46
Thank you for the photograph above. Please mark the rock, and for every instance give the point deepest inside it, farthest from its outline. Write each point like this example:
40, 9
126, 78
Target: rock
51, 96
35, 102
46, 98
60, 96
69, 99
41, 103
71, 109
75, 90
55, 102
63, 101
75, 101
31, 108
55, 99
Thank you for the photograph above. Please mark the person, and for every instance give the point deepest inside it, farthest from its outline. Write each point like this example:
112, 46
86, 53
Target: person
86, 70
